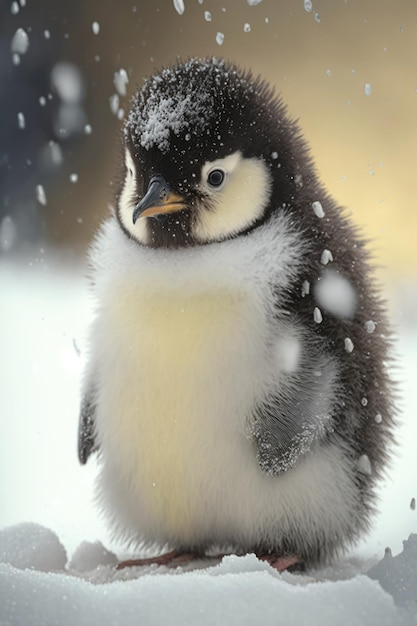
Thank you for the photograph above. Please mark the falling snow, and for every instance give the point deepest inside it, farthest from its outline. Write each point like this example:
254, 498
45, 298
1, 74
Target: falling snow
21, 122
370, 326
88, 129
179, 6
349, 345
114, 101
378, 418
66, 79
20, 42
95, 27
55, 153
253, 3
335, 294
8, 233
364, 465
14, 9
308, 6
220, 38
318, 209
120, 80
317, 316
367, 90
305, 288
74, 178
326, 257
207, 16
246, 28
40, 195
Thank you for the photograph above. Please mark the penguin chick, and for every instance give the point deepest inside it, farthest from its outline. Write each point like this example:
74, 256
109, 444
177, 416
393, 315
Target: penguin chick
237, 391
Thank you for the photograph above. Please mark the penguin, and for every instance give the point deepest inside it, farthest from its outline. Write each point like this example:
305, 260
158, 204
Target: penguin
237, 392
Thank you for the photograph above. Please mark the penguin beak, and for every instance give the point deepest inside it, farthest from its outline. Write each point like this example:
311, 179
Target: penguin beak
158, 200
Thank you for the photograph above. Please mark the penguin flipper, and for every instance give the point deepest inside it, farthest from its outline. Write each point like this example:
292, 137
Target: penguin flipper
87, 443
297, 416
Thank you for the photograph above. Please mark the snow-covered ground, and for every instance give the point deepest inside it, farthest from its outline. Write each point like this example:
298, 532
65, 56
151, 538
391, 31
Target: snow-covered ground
51, 569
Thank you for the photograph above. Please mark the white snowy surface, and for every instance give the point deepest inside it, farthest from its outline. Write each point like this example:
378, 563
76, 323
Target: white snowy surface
53, 568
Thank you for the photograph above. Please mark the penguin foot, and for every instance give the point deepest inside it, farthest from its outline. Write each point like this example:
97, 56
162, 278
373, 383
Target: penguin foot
176, 558
172, 558
281, 563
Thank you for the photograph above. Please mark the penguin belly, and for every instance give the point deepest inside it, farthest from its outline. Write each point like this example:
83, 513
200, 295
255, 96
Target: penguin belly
179, 465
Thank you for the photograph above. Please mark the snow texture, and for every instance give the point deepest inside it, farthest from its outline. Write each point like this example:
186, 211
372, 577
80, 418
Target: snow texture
239, 590
180, 106
33, 546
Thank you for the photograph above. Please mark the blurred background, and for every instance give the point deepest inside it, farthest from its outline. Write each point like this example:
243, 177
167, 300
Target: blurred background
347, 70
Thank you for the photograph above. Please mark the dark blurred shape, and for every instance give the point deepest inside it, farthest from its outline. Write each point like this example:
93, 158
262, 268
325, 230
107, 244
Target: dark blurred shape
30, 138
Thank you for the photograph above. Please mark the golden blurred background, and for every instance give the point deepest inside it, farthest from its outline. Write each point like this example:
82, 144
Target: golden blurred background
320, 55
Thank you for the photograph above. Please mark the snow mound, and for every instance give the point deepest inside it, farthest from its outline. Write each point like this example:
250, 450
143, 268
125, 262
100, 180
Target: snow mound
33, 546
398, 575
88, 556
205, 598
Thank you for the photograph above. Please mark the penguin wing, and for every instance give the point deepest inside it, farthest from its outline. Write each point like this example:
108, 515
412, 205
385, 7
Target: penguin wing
296, 415
86, 438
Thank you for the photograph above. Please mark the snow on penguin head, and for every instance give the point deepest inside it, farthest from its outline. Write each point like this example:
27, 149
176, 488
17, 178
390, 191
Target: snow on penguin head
213, 151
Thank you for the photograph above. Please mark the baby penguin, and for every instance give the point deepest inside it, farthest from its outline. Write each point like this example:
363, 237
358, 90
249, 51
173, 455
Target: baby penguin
237, 391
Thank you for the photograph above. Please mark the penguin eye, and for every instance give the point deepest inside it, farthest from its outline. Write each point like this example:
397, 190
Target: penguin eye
216, 178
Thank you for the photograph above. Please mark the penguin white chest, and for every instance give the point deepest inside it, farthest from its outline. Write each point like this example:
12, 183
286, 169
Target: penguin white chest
186, 369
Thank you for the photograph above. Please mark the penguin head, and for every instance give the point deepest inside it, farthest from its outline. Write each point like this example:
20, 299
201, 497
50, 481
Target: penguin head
208, 156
